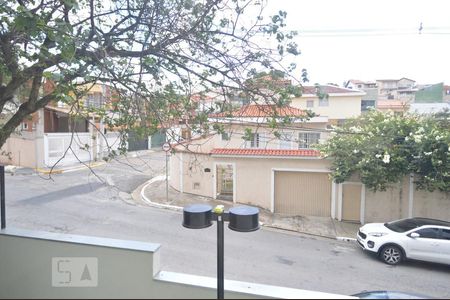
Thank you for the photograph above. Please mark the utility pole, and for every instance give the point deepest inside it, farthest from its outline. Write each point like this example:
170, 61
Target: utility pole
166, 148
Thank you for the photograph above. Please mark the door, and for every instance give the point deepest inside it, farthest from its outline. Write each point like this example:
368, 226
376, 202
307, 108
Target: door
302, 193
224, 182
351, 202
426, 246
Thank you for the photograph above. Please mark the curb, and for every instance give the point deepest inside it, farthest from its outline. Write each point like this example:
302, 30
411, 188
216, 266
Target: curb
154, 204
67, 170
179, 208
346, 239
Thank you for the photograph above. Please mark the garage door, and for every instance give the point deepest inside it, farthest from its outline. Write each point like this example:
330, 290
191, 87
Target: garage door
302, 193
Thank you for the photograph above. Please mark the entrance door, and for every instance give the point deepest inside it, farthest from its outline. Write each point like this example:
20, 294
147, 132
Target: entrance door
224, 183
351, 202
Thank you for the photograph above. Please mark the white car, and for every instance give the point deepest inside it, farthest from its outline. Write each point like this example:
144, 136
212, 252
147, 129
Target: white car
415, 238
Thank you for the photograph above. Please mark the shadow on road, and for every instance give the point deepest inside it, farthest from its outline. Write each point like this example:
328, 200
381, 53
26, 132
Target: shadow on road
60, 194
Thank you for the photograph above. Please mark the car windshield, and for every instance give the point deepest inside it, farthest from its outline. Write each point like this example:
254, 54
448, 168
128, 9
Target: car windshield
401, 225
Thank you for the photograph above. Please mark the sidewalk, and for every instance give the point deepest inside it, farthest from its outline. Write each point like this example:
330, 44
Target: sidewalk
153, 193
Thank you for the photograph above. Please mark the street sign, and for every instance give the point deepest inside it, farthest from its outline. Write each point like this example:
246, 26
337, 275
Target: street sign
166, 147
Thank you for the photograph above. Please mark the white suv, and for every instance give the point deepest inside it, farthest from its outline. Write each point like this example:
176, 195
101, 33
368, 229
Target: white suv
415, 238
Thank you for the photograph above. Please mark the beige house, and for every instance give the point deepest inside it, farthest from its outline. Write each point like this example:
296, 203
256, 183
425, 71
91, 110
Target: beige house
336, 103
285, 175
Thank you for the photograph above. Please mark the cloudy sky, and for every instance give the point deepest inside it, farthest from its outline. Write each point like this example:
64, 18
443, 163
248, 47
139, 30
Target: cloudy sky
368, 40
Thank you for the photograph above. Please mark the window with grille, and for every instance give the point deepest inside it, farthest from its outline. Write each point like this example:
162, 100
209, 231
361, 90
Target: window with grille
307, 139
254, 142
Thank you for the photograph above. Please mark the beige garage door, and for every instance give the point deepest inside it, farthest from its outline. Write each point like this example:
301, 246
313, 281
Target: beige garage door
302, 193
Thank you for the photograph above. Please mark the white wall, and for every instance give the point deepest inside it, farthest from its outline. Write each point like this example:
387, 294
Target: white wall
126, 269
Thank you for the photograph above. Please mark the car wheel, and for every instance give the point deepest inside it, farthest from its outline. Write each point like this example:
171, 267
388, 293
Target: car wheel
391, 254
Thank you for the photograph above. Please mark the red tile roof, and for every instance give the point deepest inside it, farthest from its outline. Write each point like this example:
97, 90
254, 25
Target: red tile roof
201, 98
265, 152
328, 89
264, 110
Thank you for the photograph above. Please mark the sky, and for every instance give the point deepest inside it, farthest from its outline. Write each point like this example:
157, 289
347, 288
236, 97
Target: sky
368, 40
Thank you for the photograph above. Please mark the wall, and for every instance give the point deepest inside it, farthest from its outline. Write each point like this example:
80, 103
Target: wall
186, 169
387, 205
21, 149
394, 204
126, 269
341, 107
432, 205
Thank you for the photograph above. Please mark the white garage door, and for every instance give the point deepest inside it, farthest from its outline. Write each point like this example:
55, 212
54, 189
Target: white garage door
302, 193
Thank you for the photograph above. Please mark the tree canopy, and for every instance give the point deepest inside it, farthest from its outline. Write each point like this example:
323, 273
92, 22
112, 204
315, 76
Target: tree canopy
154, 54
384, 147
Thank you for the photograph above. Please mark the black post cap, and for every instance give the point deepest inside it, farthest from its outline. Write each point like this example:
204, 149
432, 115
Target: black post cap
243, 218
197, 216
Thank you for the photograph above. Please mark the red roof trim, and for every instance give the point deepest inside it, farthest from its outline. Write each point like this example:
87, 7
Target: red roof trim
266, 152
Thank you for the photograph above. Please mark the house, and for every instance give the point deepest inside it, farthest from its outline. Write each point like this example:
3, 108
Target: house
280, 172
55, 134
369, 100
396, 89
335, 103
356, 84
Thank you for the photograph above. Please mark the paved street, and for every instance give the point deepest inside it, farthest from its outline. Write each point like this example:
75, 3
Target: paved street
79, 203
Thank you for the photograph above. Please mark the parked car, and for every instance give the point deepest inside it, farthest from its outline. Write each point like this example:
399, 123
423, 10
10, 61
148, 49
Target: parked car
389, 295
414, 238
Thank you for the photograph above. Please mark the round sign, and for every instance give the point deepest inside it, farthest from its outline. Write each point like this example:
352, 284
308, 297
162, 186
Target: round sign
166, 147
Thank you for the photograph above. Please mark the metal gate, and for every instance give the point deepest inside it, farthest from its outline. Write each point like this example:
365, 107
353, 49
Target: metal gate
158, 139
135, 142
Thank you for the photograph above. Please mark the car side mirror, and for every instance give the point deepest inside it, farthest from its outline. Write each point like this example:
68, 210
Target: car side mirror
414, 235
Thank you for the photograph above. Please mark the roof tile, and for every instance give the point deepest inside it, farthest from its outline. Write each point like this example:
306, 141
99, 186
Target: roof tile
266, 152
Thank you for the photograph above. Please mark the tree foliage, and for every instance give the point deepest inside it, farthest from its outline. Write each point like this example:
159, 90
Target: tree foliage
154, 54
383, 147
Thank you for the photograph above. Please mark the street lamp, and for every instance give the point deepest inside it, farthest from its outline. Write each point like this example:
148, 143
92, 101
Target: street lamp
240, 218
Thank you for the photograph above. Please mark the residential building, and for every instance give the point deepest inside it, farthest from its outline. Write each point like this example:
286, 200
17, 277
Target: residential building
369, 100
334, 103
396, 89
251, 163
435, 93
54, 134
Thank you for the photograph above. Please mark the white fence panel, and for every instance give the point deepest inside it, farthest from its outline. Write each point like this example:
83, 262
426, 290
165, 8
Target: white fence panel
57, 144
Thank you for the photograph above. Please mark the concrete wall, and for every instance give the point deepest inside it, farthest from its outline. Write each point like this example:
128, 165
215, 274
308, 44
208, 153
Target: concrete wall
19, 151
394, 203
124, 269
432, 205
341, 107
388, 205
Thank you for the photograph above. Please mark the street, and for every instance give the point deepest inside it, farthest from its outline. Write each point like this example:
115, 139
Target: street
81, 203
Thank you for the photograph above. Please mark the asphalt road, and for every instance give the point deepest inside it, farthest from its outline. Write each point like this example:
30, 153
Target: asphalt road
80, 203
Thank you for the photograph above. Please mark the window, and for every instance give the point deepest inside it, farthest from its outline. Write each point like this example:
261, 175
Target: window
307, 139
310, 103
323, 101
365, 104
286, 140
428, 233
94, 100
445, 234
185, 134
24, 126
225, 136
254, 142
